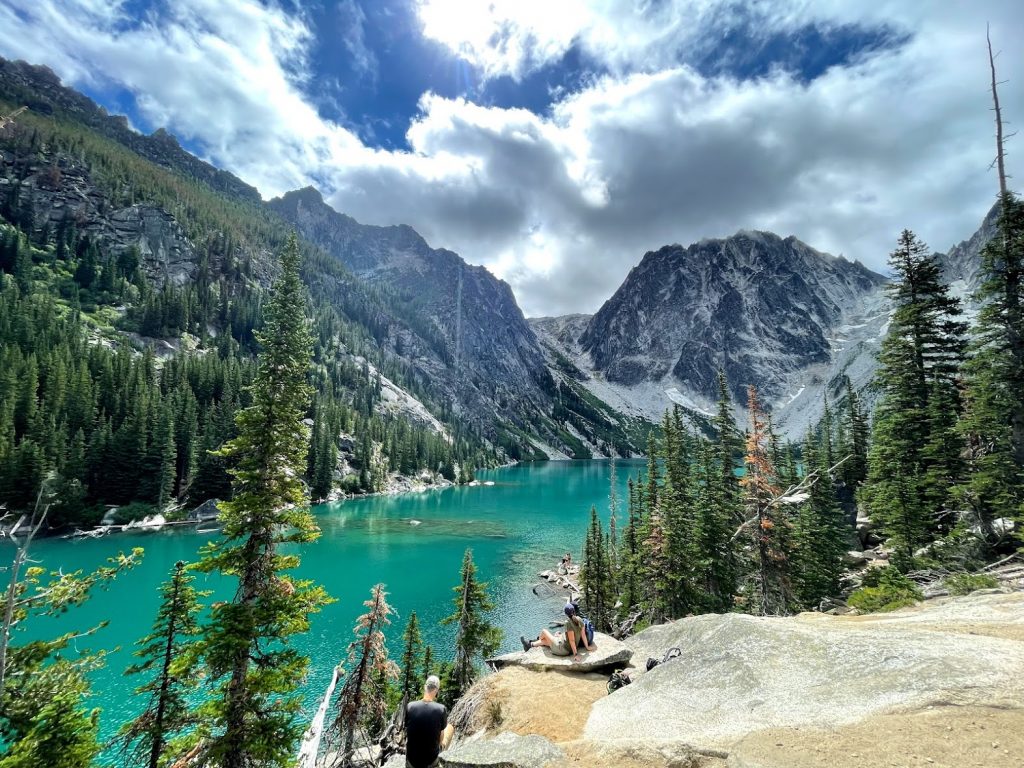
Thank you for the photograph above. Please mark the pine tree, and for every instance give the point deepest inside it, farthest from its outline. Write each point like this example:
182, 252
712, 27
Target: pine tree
596, 575
613, 515
728, 446
169, 655
855, 439
820, 533
716, 564
475, 636
993, 424
246, 645
629, 556
325, 459
655, 553
362, 701
412, 658
62, 735
428, 662
919, 362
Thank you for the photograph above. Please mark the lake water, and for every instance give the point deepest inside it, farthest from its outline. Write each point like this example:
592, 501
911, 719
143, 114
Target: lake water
518, 526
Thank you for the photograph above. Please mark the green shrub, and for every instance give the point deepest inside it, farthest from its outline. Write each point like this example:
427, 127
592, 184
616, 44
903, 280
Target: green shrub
884, 590
965, 583
134, 511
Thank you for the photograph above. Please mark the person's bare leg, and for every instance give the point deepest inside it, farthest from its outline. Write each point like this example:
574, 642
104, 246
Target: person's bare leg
546, 639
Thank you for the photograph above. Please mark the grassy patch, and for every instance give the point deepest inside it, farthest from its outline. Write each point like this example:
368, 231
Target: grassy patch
965, 583
885, 589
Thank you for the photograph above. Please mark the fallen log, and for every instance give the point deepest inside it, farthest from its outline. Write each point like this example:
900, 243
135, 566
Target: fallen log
311, 738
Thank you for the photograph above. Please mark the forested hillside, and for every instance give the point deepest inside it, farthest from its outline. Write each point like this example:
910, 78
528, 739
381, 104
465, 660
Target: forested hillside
133, 279
126, 335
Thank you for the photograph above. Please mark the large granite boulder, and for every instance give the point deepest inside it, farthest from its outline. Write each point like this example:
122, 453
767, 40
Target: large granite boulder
507, 750
741, 674
608, 653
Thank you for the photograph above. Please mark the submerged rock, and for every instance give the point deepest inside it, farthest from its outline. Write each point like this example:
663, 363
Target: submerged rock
609, 652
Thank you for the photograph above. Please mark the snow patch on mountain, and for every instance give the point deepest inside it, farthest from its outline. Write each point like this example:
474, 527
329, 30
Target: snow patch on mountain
396, 401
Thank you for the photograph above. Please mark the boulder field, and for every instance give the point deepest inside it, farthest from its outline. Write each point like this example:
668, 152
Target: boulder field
938, 684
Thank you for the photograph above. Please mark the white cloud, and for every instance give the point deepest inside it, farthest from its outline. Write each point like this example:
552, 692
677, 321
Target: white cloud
563, 204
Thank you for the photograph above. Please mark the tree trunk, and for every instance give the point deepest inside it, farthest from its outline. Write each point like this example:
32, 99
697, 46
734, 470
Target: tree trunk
311, 738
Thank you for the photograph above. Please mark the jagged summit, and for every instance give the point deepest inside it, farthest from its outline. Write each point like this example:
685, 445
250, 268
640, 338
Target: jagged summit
755, 304
961, 266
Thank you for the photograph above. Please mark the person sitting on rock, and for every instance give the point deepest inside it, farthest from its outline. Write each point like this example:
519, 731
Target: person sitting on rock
427, 730
565, 643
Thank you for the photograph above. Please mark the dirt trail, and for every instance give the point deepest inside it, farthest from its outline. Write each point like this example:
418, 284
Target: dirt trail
551, 704
941, 737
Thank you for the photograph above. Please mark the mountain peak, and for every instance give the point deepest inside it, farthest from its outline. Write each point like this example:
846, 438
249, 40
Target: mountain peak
754, 304
308, 195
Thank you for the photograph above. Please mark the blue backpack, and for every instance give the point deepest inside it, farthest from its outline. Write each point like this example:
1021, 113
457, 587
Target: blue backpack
588, 627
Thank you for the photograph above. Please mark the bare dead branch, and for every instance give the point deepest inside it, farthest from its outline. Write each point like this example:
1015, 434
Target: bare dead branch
999, 117
805, 483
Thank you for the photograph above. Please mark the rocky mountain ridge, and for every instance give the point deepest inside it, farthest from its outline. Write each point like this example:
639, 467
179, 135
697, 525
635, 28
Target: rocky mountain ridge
769, 311
39, 89
490, 361
454, 329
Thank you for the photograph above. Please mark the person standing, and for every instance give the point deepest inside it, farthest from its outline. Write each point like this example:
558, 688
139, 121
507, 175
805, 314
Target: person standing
427, 731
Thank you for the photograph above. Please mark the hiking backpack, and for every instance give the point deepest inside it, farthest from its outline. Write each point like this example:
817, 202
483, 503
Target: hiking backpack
588, 626
671, 653
588, 629
619, 679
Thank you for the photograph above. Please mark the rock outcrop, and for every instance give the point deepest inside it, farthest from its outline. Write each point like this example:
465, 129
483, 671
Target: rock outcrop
608, 653
961, 265
508, 750
939, 684
742, 674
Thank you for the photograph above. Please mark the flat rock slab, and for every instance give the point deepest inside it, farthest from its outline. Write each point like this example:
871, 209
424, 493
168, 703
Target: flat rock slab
609, 652
741, 674
508, 750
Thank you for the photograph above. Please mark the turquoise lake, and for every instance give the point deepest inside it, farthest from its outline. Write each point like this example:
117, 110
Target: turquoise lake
518, 526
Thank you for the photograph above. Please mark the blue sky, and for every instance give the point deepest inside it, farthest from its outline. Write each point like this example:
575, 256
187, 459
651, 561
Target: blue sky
555, 141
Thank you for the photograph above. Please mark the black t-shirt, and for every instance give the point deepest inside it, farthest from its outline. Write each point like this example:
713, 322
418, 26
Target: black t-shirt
424, 722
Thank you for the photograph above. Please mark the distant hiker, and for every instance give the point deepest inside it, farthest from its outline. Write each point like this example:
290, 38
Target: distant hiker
426, 728
565, 643
563, 567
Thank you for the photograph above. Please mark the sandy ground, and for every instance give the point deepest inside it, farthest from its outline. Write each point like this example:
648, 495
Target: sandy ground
942, 737
535, 702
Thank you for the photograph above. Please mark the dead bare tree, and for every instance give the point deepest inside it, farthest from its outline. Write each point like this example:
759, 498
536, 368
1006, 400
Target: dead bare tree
998, 162
795, 494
